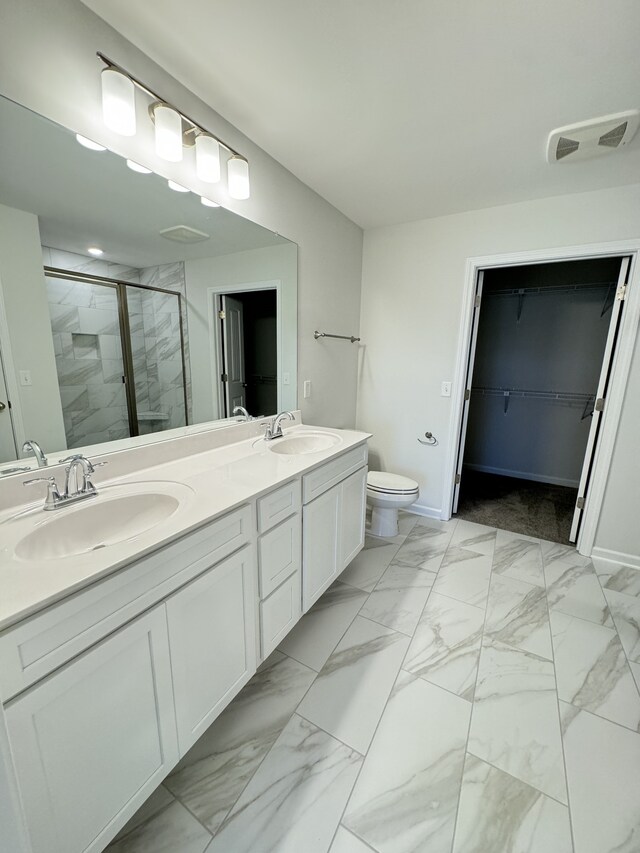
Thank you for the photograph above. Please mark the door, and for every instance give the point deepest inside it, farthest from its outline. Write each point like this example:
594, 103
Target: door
320, 554
467, 390
233, 376
352, 517
212, 642
8, 447
114, 704
601, 396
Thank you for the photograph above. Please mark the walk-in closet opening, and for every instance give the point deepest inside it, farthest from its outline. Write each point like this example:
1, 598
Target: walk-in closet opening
249, 351
540, 357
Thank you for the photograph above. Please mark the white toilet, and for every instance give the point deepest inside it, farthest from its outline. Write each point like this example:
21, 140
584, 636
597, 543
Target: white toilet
386, 494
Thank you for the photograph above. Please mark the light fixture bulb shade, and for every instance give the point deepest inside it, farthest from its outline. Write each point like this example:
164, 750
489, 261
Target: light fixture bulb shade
168, 133
118, 102
208, 202
238, 178
173, 185
207, 158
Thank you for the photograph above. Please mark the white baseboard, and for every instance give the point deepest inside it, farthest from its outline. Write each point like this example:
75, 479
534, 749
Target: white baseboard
617, 557
524, 475
424, 511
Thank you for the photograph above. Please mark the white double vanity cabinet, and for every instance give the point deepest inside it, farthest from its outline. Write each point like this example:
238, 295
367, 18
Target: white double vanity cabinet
106, 688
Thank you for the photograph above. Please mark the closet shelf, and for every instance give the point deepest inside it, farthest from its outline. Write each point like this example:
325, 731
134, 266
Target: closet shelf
557, 288
561, 396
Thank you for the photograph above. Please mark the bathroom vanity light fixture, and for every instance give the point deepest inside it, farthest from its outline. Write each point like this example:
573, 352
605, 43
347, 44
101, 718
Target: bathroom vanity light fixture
136, 167
118, 102
173, 130
177, 187
208, 203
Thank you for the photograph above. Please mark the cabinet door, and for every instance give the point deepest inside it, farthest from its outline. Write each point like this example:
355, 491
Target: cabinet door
320, 530
212, 641
353, 500
94, 739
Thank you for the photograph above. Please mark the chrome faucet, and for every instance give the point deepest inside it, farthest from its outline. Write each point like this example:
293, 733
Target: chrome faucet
274, 429
240, 410
31, 446
78, 485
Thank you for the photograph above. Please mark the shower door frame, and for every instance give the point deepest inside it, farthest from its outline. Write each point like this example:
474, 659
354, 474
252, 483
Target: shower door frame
125, 333
621, 366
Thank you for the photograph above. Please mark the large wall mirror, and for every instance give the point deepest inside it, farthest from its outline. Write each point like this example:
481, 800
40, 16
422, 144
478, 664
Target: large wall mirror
188, 312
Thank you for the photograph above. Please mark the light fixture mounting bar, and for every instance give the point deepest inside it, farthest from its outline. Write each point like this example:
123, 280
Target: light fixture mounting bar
195, 126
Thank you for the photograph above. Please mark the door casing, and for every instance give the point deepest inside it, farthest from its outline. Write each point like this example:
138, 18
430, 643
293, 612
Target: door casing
619, 373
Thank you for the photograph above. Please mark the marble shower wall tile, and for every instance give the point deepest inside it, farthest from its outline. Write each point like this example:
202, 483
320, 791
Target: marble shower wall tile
211, 776
406, 796
515, 724
349, 695
446, 645
574, 588
295, 799
320, 630
464, 575
498, 812
625, 610
517, 615
518, 558
475, 537
399, 597
603, 767
592, 671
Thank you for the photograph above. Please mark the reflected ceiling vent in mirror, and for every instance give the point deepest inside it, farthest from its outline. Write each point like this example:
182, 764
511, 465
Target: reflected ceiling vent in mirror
590, 138
184, 234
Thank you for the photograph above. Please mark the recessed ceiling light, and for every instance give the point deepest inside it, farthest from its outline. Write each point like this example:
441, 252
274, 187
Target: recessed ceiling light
95, 251
208, 203
177, 187
89, 143
136, 167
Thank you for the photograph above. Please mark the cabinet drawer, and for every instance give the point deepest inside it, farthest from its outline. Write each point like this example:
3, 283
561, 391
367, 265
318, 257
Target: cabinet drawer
279, 613
278, 505
318, 481
36, 646
279, 554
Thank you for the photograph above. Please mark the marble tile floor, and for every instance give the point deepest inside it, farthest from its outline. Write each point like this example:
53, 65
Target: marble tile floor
460, 689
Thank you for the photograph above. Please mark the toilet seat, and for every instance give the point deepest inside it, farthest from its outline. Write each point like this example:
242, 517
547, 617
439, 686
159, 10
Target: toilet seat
391, 484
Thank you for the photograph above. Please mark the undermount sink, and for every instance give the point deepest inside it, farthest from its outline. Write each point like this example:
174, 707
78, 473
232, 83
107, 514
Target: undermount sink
101, 521
308, 442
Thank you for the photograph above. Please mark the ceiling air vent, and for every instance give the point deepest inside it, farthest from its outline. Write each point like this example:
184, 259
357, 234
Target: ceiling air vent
184, 234
590, 138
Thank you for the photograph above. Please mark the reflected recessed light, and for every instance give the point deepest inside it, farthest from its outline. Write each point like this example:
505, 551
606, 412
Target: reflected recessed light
95, 251
177, 187
89, 143
208, 203
136, 167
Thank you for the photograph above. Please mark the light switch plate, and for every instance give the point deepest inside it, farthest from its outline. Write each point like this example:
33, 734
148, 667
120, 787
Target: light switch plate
307, 389
286, 379
25, 377
445, 389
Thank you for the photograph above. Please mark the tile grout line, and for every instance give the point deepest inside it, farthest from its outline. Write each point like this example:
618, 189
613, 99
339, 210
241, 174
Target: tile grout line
615, 626
555, 680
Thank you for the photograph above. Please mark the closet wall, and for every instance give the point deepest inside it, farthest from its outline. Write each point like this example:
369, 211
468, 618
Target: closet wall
544, 344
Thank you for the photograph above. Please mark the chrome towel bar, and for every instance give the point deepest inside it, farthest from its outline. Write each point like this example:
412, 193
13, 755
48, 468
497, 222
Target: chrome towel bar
351, 338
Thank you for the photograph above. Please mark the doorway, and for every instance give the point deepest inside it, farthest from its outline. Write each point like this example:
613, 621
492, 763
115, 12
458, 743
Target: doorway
248, 351
538, 370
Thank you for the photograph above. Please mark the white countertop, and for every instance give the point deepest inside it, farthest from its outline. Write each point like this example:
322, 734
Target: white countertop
210, 484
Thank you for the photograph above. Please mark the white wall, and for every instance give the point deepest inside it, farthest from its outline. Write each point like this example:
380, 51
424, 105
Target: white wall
413, 279
48, 63
274, 263
27, 311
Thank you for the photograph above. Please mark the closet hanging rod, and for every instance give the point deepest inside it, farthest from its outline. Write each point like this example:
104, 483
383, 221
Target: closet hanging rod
351, 338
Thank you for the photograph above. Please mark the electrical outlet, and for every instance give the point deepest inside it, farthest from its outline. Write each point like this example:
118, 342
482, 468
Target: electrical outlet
25, 377
286, 379
307, 389
445, 389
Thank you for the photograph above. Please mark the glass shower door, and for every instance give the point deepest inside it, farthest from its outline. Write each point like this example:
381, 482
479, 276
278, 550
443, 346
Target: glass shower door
88, 350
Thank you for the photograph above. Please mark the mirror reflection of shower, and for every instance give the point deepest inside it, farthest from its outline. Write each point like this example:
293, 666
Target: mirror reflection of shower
119, 349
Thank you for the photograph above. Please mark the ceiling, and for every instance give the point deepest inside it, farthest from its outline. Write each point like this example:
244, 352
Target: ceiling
88, 198
395, 110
